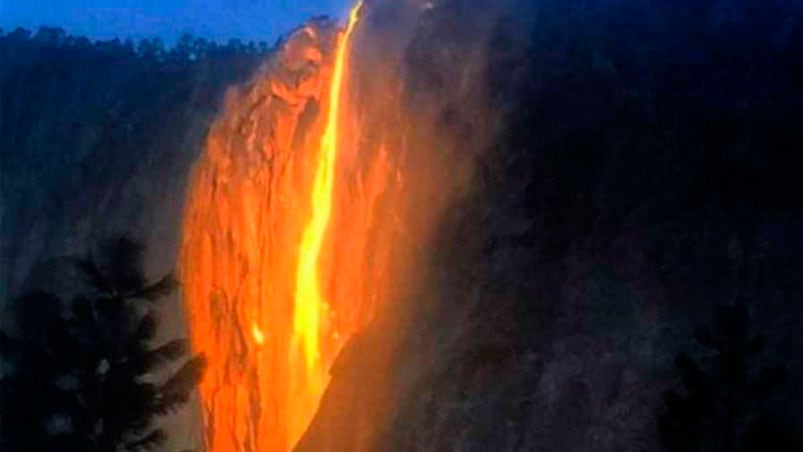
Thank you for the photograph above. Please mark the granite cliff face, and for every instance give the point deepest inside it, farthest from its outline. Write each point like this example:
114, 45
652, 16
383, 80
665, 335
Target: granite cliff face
246, 210
252, 196
627, 177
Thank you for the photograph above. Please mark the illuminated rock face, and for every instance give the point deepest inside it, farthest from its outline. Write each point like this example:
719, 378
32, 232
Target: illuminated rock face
266, 225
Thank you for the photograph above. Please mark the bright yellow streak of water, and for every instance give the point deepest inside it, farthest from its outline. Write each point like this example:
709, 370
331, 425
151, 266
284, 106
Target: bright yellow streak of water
309, 302
256, 332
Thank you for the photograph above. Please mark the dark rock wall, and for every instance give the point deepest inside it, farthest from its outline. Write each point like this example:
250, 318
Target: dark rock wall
643, 170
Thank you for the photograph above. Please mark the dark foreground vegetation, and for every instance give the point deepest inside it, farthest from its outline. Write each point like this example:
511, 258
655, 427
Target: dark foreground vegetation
87, 373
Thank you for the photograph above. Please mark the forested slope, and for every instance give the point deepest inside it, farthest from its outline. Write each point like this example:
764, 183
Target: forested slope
97, 138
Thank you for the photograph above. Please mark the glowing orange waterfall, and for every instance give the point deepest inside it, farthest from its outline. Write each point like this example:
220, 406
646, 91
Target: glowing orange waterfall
280, 260
309, 302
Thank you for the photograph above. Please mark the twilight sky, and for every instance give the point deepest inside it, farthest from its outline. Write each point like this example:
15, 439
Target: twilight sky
260, 20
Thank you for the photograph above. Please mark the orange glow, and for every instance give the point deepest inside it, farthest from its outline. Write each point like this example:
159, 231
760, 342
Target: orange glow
259, 338
278, 263
309, 303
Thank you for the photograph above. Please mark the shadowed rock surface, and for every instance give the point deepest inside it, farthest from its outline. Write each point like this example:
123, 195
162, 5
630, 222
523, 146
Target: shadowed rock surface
640, 175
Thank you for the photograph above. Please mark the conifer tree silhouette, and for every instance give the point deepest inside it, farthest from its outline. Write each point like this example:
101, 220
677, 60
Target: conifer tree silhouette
91, 379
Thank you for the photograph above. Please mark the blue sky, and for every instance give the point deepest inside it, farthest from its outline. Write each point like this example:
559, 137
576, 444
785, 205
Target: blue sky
217, 19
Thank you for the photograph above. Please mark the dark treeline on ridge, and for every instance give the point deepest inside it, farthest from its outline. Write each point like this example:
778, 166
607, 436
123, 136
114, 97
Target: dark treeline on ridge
188, 46
80, 119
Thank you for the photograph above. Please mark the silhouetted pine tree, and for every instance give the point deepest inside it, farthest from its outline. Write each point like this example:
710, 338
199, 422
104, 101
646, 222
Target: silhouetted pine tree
90, 379
726, 405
